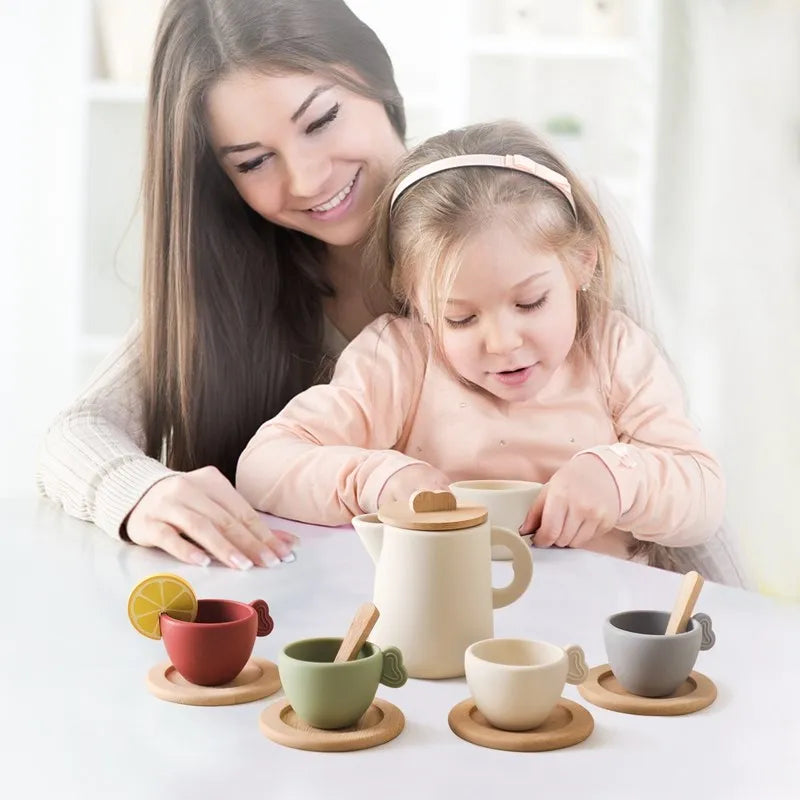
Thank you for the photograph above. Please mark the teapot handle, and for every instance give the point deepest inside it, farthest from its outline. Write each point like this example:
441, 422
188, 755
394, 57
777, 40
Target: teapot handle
522, 564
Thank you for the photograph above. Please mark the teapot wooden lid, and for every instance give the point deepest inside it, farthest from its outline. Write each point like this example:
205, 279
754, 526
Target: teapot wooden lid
432, 511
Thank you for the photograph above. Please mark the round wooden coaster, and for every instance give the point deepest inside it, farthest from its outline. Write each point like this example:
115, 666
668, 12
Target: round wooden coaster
569, 723
257, 680
603, 689
381, 723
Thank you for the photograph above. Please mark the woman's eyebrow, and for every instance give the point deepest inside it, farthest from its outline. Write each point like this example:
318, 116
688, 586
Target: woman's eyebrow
237, 148
309, 100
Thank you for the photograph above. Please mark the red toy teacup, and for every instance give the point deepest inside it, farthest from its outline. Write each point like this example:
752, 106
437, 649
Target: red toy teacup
214, 648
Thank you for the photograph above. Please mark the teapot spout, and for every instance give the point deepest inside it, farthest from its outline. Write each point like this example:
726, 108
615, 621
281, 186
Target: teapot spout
370, 530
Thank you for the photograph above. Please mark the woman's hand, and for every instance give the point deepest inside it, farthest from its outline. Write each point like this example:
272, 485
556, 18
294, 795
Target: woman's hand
203, 506
579, 503
408, 480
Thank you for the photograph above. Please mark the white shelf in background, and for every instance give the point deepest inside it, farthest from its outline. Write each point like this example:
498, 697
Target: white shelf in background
105, 91
531, 47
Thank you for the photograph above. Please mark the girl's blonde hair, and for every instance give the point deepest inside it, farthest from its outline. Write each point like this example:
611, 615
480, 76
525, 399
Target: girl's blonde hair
416, 243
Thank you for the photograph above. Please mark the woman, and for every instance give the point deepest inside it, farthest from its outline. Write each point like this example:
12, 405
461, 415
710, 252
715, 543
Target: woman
272, 127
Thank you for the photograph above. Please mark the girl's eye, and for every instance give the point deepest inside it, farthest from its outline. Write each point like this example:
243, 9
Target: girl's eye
533, 306
460, 323
324, 120
254, 163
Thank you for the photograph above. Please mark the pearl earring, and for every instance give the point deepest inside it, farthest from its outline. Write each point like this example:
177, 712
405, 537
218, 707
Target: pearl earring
585, 287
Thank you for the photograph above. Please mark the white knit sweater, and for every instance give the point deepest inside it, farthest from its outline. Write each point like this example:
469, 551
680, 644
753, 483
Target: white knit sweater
91, 461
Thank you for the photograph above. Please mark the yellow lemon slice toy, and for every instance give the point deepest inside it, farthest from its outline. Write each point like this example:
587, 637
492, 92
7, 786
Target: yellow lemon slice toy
158, 594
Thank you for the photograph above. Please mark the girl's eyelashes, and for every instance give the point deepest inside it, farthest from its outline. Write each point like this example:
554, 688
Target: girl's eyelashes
328, 117
318, 124
459, 323
533, 306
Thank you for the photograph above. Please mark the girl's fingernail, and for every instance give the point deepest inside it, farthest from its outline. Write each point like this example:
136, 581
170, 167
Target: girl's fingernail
268, 558
241, 562
288, 559
201, 559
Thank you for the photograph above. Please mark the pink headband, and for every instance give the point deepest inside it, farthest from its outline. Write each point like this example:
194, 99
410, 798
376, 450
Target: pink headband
517, 162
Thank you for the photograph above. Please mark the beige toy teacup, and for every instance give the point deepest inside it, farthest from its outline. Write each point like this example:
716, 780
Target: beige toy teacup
516, 683
508, 503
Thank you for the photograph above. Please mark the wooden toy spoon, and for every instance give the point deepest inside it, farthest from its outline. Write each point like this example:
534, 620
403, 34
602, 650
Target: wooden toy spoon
684, 605
363, 622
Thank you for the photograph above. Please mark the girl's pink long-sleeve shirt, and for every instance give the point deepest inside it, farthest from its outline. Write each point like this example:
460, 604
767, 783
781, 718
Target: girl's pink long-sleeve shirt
328, 454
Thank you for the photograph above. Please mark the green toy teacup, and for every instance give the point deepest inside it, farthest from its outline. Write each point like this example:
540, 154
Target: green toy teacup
332, 695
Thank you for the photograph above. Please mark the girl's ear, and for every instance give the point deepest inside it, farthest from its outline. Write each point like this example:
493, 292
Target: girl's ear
584, 263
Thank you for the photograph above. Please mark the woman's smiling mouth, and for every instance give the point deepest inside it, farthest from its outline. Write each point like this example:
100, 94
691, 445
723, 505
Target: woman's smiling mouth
340, 201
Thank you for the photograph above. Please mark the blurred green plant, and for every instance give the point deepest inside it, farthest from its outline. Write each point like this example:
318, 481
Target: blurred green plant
564, 125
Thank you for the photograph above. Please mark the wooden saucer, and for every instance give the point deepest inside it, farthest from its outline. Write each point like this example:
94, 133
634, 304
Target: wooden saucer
603, 689
569, 723
381, 723
257, 680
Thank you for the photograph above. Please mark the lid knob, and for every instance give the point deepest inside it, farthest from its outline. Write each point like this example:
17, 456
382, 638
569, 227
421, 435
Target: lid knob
427, 500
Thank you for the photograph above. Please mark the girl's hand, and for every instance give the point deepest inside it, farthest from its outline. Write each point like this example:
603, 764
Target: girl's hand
203, 506
579, 503
408, 480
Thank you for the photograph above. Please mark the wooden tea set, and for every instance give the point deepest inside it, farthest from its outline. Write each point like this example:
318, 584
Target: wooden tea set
432, 617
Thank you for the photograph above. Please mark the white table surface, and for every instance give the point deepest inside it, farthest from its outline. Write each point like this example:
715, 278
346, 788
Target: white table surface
77, 720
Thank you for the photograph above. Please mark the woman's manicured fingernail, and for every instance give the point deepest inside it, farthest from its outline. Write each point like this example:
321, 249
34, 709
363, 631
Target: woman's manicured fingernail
288, 559
268, 558
241, 562
201, 559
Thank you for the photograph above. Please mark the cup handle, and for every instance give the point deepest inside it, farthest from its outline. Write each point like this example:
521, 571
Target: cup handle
578, 671
522, 565
265, 621
393, 673
708, 637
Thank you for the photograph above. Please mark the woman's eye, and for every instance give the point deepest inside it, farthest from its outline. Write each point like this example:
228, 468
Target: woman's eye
533, 306
324, 120
254, 163
460, 323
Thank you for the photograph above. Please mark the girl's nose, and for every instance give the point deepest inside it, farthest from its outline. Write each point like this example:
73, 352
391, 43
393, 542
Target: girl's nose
501, 337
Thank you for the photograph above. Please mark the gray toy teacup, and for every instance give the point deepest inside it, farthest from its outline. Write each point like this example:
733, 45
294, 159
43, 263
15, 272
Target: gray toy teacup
647, 662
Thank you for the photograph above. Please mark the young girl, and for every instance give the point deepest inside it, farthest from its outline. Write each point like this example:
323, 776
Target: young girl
508, 362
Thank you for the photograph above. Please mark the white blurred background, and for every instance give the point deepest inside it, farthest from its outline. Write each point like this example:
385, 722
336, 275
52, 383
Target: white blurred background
688, 110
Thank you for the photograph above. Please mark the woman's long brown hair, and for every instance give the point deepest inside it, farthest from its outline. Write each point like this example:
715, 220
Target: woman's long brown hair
232, 323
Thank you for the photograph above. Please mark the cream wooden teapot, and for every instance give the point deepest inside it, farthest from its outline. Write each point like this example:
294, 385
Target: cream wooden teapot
433, 579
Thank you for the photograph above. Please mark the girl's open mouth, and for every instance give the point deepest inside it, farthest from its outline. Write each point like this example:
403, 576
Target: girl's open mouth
514, 377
